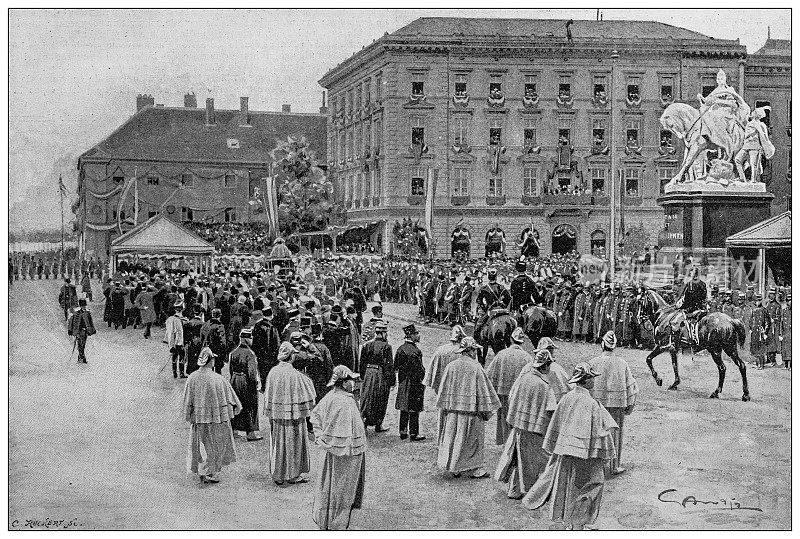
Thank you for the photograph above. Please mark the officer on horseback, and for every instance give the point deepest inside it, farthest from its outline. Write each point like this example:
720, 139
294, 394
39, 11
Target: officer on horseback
522, 288
693, 303
492, 294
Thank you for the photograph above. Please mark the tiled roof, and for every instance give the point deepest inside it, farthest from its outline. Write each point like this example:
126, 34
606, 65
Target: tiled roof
448, 26
161, 235
775, 47
774, 232
173, 133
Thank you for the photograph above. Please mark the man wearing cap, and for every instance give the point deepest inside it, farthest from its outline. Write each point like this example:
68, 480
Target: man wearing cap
557, 377
410, 389
578, 312
786, 331
245, 382
240, 316
377, 371
81, 327
492, 294
266, 341
212, 335
173, 333
468, 400
773, 308
530, 405
147, 310
503, 372
693, 303
616, 390
209, 404
521, 288
67, 297
340, 431
465, 300
288, 400
760, 325
579, 439
451, 300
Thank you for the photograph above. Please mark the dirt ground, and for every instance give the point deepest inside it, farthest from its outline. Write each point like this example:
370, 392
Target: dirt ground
103, 446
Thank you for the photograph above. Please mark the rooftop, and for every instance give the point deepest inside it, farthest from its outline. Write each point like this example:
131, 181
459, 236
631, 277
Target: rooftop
775, 47
181, 134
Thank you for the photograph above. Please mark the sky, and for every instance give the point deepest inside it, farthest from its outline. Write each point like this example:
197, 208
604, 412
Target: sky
74, 74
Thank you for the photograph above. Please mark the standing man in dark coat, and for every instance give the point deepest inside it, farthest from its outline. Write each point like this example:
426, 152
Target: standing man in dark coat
244, 380
377, 372
81, 326
774, 312
193, 342
213, 335
118, 316
411, 391
323, 369
107, 308
266, 341
67, 297
86, 286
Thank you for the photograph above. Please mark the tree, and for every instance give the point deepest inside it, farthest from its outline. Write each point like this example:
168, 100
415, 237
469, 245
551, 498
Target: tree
304, 193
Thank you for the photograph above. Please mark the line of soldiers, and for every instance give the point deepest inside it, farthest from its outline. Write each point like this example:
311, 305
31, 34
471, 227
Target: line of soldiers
43, 265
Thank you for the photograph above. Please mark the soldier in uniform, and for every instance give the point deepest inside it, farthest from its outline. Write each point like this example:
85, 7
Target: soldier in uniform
465, 300
693, 302
760, 326
521, 288
213, 335
451, 299
715, 302
747, 304
578, 312
774, 312
492, 294
785, 336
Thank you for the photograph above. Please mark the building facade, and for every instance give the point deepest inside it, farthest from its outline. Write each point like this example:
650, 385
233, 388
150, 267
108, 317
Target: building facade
190, 164
511, 120
768, 81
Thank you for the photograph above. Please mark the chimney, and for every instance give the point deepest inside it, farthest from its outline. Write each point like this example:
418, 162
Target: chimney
211, 117
286, 108
244, 106
190, 100
324, 108
144, 100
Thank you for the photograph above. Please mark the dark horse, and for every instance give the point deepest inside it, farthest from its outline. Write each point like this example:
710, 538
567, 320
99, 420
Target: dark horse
717, 333
538, 322
494, 331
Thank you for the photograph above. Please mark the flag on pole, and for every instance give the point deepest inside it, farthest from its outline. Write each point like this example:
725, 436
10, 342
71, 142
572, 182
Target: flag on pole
432, 177
271, 206
135, 199
62, 189
621, 207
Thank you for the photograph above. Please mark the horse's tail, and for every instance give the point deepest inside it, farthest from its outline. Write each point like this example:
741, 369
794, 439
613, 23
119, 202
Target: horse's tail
741, 331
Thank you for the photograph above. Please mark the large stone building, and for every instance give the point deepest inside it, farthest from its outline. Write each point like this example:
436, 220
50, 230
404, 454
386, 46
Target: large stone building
192, 164
513, 117
768, 81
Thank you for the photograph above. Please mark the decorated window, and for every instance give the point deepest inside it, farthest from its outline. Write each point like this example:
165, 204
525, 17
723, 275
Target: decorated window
417, 131
378, 133
359, 92
633, 132
378, 192
597, 243
495, 86
599, 87
495, 132
530, 181
667, 88
152, 179
367, 134
564, 130
530, 87
633, 178
599, 131
417, 85
349, 135
633, 91
341, 151
529, 131
367, 185
350, 101
367, 91
417, 181
359, 133
460, 182
564, 86
598, 180
766, 118
564, 180
461, 85
707, 84
359, 189
460, 130
496, 187
665, 138
665, 174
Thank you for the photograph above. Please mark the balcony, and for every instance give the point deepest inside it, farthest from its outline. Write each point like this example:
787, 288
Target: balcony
567, 200
632, 200
601, 200
459, 200
495, 200
415, 200
532, 200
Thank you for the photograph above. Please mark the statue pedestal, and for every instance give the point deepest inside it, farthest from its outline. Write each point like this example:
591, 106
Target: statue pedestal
699, 216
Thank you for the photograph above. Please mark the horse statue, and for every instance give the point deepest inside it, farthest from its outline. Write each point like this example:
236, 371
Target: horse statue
716, 332
494, 330
538, 322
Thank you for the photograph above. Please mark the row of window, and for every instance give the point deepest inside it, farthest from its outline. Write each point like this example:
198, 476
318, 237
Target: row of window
187, 214
356, 140
187, 180
358, 96
363, 185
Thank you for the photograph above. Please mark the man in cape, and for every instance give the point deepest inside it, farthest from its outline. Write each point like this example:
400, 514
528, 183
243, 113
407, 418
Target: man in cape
245, 381
209, 404
468, 400
579, 439
530, 406
503, 372
557, 377
377, 371
441, 358
615, 389
288, 400
340, 431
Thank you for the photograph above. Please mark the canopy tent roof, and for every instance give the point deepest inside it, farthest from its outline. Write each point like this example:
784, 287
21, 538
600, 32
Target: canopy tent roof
159, 235
774, 232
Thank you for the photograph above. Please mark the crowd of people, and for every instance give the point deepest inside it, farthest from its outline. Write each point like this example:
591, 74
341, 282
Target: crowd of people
298, 337
233, 237
47, 264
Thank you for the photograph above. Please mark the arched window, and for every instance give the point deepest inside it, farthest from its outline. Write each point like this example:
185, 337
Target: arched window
597, 243
564, 239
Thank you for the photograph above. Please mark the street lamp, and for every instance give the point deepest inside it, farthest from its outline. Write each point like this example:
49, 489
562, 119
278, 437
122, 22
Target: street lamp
613, 194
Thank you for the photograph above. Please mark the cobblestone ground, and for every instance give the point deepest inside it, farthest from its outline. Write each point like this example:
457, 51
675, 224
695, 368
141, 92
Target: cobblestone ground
105, 444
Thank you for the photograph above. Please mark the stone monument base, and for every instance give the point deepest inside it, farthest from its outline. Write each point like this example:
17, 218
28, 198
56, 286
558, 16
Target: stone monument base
709, 185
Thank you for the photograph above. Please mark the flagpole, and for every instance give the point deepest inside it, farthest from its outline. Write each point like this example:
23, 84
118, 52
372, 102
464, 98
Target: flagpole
612, 251
135, 196
61, 195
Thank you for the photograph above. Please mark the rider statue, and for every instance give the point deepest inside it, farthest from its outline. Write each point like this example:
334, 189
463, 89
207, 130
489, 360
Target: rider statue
693, 303
522, 288
723, 106
756, 144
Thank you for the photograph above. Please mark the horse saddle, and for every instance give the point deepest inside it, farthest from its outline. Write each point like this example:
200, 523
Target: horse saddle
497, 311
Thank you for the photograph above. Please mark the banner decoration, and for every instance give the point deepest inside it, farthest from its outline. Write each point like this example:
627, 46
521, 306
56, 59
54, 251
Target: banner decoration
429, 198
